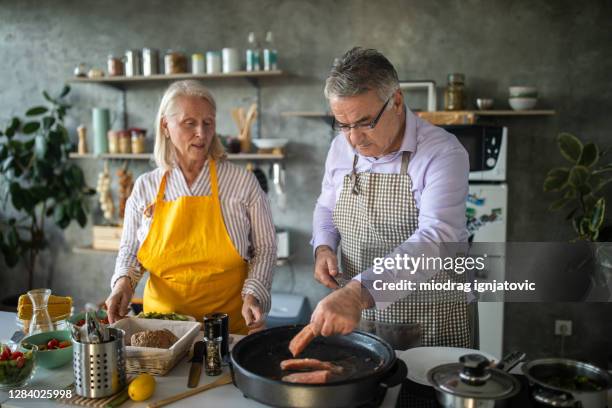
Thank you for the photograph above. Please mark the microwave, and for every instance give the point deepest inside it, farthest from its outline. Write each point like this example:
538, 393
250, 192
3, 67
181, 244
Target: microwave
487, 147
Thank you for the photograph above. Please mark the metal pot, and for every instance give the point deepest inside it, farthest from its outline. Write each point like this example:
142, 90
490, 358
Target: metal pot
560, 382
369, 363
473, 383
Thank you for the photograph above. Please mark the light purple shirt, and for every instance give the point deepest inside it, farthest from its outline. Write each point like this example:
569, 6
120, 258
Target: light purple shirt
439, 169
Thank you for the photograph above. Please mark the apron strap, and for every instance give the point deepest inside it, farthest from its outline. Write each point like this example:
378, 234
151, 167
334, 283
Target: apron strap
354, 189
162, 188
214, 188
404, 168
405, 160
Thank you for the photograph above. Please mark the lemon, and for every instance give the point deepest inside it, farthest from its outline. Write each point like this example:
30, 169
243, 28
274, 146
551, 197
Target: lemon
142, 387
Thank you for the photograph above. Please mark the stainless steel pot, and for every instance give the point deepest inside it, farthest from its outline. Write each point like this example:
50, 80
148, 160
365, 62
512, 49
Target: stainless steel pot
560, 382
473, 383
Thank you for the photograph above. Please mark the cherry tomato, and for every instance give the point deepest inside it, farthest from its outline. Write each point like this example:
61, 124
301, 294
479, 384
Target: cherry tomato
16, 355
20, 361
104, 321
5, 354
52, 344
64, 344
80, 322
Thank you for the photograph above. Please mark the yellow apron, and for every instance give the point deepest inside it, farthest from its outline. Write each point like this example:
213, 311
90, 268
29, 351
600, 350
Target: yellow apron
193, 265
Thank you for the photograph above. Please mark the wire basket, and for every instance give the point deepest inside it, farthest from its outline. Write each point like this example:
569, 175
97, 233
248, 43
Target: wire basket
99, 369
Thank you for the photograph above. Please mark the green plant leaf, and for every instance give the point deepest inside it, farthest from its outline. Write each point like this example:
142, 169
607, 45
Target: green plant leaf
590, 155
589, 201
599, 212
59, 213
37, 110
559, 204
556, 179
48, 97
81, 216
65, 91
12, 128
31, 127
570, 147
17, 196
48, 121
578, 176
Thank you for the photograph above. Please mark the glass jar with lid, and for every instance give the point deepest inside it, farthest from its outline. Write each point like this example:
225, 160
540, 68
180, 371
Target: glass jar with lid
175, 62
114, 66
454, 94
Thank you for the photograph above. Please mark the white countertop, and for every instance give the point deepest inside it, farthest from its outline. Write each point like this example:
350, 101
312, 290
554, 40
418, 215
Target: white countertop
172, 383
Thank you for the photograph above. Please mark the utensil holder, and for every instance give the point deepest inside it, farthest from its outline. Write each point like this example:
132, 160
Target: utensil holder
99, 369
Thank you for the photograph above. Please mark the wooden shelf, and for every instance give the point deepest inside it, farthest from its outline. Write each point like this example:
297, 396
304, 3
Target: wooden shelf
149, 156
539, 112
121, 80
89, 250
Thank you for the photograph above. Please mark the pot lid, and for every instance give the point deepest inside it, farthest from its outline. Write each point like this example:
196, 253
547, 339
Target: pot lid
472, 377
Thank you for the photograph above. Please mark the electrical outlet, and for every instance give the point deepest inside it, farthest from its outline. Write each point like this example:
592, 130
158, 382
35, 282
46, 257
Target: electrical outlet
563, 327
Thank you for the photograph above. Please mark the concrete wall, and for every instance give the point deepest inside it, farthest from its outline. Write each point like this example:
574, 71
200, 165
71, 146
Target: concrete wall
562, 47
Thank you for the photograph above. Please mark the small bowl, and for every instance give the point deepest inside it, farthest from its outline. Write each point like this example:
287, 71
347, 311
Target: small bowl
50, 358
519, 104
523, 92
266, 144
484, 103
11, 376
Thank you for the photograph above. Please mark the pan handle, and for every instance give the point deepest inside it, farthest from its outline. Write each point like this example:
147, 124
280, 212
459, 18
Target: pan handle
396, 374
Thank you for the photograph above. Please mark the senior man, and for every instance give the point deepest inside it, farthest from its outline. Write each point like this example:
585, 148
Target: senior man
392, 182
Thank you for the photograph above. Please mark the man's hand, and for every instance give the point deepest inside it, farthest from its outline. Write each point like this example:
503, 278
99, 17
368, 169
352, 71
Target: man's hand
119, 299
252, 313
326, 266
340, 311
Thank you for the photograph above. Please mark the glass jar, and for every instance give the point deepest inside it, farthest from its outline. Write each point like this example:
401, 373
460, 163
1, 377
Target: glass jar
114, 66
454, 94
138, 141
125, 142
197, 63
41, 321
175, 63
113, 141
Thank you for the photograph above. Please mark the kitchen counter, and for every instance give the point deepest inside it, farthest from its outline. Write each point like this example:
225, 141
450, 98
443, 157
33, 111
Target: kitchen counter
172, 383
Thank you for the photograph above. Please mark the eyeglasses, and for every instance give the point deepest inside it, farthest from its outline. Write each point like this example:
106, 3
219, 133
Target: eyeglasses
343, 127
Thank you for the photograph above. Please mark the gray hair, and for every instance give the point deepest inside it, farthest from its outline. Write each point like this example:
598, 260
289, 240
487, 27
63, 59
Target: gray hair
361, 70
163, 151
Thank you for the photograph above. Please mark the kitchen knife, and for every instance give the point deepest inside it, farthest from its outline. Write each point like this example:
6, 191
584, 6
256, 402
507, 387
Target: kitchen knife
196, 364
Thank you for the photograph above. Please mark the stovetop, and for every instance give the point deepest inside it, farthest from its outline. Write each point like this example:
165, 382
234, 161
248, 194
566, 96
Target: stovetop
413, 395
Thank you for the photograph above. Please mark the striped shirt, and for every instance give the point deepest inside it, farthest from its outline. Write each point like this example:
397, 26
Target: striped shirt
246, 213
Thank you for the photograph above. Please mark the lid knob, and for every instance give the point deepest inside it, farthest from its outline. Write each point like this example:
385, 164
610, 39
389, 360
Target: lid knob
474, 369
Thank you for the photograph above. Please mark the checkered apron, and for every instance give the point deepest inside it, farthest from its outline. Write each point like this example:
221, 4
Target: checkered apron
374, 214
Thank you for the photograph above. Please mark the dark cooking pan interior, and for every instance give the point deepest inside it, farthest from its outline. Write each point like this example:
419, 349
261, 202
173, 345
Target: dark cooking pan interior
360, 354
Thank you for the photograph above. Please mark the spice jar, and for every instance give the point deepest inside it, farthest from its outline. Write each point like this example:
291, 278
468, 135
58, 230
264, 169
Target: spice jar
114, 66
113, 141
175, 63
125, 142
213, 339
138, 140
197, 63
454, 94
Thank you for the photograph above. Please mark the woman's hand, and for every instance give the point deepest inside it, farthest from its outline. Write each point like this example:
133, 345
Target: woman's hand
252, 313
119, 299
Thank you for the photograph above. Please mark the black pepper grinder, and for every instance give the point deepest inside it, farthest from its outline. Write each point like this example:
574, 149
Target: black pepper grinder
213, 340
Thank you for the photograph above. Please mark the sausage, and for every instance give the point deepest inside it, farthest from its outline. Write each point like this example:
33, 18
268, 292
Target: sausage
310, 377
301, 340
300, 364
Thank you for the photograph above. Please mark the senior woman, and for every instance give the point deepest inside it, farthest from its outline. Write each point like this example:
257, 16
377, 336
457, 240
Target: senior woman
200, 225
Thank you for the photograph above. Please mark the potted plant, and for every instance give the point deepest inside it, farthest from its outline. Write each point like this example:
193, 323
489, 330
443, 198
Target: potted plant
38, 181
581, 185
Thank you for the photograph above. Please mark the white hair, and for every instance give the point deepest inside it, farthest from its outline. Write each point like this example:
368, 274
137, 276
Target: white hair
163, 151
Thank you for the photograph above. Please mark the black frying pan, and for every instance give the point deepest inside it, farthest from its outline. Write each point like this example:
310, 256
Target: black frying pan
369, 364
